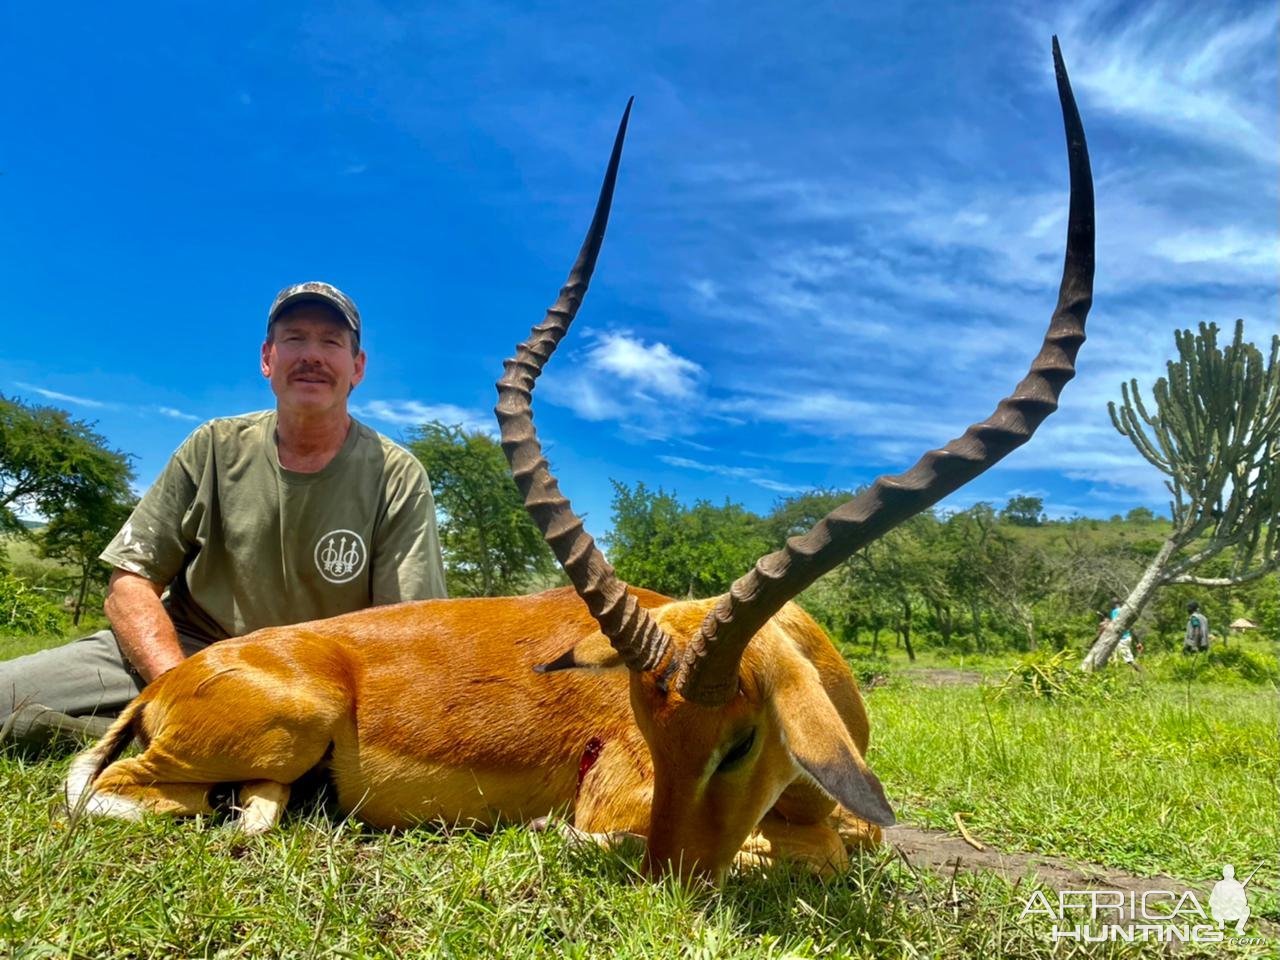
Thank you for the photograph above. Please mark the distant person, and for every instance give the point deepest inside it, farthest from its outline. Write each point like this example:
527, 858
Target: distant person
1124, 646
259, 520
1196, 639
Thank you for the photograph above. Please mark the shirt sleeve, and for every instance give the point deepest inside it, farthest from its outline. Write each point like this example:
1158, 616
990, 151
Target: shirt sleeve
152, 542
406, 551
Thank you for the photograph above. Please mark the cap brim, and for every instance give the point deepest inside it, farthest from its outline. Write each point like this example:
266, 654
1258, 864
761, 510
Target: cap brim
310, 296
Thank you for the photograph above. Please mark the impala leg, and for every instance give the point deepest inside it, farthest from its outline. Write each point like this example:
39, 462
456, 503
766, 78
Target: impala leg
261, 804
610, 840
158, 782
815, 845
856, 833
127, 790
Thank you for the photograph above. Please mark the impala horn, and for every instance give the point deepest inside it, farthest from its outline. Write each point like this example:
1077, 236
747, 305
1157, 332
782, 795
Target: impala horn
708, 671
634, 634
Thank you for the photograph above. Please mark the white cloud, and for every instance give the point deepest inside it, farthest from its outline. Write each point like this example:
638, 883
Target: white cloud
827, 413
1192, 70
705, 290
585, 396
140, 409
63, 397
648, 367
413, 413
749, 474
1225, 245
621, 377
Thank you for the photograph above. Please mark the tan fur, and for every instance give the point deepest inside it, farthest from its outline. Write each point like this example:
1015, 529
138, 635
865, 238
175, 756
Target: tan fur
433, 711
261, 804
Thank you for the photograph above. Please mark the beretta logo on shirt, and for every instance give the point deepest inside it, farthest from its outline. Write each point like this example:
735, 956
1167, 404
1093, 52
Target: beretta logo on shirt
341, 555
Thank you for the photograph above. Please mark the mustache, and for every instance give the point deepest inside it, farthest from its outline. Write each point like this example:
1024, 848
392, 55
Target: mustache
311, 371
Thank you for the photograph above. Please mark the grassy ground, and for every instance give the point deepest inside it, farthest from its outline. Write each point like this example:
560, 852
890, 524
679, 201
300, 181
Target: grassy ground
316, 889
1156, 776
1145, 778
11, 647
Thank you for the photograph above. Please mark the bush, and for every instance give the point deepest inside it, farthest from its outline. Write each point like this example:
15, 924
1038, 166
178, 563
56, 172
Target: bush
1223, 664
1045, 675
25, 612
870, 671
1057, 676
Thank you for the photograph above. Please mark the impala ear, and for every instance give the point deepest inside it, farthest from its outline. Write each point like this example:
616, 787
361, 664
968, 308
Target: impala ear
819, 742
593, 653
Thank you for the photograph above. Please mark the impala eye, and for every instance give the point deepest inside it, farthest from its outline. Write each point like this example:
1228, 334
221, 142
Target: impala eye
738, 752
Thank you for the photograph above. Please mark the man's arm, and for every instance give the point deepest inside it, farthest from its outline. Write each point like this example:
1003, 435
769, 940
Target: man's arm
405, 555
141, 624
150, 551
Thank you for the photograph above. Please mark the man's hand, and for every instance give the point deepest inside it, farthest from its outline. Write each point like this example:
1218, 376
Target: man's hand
141, 624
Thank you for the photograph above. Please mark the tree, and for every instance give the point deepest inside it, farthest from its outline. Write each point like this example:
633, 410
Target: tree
885, 584
901, 571
1140, 515
49, 461
967, 537
695, 551
1023, 511
1216, 436
797, 515
1088, 568
868, 587
60, 468
491, 546
78, 534
1019, 576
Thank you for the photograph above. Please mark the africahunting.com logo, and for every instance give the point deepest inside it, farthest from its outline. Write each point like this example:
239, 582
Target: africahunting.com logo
1161, 916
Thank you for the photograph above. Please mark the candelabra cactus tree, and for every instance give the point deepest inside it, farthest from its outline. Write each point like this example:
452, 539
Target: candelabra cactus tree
1215, 434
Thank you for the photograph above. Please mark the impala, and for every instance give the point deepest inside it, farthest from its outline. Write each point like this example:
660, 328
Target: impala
712, 728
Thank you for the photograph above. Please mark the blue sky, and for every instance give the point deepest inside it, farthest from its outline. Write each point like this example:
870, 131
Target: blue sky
836, 240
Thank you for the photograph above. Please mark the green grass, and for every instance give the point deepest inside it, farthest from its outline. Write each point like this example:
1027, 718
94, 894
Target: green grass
11, 647
320, 888
18, 646
931, 658
1147, 778
1151, 776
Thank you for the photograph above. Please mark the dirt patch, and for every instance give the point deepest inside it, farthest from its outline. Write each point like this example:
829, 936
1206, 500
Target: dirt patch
943, 852
942, 677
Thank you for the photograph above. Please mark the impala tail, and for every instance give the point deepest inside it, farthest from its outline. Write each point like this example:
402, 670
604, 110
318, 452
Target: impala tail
85, 769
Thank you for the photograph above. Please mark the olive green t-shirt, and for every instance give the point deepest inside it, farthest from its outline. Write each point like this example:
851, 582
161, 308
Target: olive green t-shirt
244, 543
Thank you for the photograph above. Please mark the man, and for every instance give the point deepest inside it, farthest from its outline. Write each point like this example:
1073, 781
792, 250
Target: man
1196, 639
259, 520
1125, 645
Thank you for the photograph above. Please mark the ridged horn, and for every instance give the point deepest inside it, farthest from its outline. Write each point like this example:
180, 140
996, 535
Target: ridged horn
634, 634
708, 671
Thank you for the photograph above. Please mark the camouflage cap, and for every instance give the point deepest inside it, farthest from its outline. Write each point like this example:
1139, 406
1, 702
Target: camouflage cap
315, 290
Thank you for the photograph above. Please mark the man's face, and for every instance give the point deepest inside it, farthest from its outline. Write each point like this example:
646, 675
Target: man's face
309, 362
